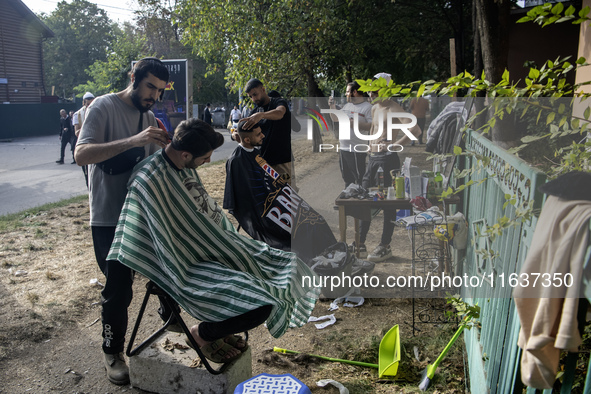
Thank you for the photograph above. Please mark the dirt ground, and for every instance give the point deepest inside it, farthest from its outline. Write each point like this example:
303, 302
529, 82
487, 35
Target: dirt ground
50, 334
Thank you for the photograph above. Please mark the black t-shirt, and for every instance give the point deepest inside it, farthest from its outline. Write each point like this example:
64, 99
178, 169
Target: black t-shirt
276, 148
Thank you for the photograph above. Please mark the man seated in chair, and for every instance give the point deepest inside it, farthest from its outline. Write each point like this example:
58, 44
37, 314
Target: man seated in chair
171, 231
266, 206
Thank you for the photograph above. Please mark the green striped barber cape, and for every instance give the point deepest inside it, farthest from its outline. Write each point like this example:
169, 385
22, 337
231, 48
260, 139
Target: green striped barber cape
171, 231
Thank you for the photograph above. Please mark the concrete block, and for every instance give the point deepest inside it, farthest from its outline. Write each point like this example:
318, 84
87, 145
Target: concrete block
158, 370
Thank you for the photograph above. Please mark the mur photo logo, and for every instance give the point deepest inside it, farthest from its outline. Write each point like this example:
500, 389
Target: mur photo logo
375, 140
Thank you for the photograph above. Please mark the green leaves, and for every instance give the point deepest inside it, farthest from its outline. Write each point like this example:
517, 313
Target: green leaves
547, 14
534, 73
421, 90
83, 35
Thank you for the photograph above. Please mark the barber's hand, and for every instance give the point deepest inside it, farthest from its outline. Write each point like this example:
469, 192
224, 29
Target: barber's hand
151, 135
252, 120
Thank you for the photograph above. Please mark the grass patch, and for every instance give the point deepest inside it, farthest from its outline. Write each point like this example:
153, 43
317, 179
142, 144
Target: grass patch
361, 386
7, 264
51, 276
34, 248
14, 221
33, 298
214, 163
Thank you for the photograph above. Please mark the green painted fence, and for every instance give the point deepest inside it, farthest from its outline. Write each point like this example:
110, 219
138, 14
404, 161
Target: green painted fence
493, 355
32, 120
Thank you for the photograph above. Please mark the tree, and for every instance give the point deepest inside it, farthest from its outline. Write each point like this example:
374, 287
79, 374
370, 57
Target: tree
295, 44
155, 22
492, 25
83, 35
111, 75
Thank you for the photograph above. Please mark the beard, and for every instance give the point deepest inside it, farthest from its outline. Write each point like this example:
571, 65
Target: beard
191, 165
137, 102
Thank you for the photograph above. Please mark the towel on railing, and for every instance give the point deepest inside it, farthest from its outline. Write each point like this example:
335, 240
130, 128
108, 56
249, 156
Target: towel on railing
548, 312
171, 231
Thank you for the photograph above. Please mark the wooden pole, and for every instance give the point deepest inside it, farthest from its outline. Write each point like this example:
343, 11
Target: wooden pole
452, 56
452, 60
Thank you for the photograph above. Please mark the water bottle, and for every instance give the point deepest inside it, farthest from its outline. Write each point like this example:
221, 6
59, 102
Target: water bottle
380, 174
399, 187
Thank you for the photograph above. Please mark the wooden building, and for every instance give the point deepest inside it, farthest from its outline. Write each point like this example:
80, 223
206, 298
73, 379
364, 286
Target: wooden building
21, 53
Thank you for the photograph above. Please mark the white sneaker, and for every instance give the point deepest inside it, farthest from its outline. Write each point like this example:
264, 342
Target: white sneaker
380, 253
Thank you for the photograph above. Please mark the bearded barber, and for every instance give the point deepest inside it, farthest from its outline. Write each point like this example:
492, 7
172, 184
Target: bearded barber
119, 130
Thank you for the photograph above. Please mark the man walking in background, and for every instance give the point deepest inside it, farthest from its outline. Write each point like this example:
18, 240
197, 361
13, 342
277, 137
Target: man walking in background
66, 136
235, 115
207, 114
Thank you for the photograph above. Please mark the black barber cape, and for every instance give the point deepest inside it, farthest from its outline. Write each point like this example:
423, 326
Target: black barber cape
269, 210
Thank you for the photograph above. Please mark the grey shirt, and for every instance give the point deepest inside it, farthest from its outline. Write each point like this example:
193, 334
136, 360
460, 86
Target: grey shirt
108, 119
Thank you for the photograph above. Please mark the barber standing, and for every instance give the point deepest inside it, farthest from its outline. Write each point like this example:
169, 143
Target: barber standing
119, 130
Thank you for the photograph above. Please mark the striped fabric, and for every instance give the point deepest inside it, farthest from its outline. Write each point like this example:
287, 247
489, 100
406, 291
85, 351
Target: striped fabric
213, 272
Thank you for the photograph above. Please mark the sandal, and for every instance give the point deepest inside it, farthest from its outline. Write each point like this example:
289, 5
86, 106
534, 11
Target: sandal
234, 339
216, 351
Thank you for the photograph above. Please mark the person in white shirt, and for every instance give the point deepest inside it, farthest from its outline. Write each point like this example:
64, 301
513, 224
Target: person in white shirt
78, 120
352, 162
235, 115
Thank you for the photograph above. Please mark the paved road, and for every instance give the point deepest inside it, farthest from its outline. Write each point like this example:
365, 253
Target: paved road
29, 176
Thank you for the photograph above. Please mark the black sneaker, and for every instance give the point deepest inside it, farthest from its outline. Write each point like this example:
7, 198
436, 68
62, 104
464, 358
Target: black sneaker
362, 250
59, 161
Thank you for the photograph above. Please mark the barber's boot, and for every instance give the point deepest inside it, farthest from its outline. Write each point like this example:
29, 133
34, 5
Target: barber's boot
117, 371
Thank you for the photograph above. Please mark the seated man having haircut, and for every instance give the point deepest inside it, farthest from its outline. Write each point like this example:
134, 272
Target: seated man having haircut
171, 231
266, 206
268, 209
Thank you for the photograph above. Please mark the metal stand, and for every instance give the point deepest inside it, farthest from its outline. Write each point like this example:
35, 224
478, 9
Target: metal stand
153, 289
431, 257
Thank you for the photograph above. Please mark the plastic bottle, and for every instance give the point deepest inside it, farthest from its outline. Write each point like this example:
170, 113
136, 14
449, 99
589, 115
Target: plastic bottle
400, 187
380, 174
430, 175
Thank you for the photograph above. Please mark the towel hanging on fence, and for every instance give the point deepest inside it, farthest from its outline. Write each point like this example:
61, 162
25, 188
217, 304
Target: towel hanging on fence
548, 315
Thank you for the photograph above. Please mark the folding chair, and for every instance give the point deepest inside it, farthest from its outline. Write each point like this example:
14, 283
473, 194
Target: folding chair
153, 289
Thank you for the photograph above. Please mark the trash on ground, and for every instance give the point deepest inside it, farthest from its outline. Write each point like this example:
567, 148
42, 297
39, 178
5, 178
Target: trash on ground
350, 302
325, 382
331, 320
95, 282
